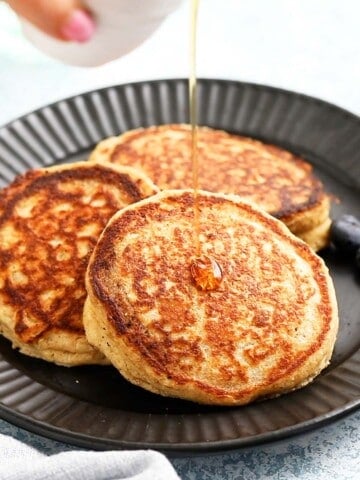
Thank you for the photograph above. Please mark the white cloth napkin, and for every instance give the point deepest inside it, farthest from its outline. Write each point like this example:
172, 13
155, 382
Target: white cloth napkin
18, 461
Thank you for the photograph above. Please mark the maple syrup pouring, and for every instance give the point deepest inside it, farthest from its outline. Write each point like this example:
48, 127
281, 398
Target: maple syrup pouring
205, 271
193, 122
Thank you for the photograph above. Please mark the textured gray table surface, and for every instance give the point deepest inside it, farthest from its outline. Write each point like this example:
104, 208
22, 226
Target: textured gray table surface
305, 46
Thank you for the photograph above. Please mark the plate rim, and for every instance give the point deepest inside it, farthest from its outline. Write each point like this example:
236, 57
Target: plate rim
253, 85
82, 440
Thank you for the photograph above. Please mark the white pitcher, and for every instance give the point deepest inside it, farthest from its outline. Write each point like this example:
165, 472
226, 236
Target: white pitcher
122, 25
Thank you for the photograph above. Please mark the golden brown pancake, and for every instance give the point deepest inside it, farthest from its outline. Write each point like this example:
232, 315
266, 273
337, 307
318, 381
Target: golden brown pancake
50, 220
268, 328
276, 180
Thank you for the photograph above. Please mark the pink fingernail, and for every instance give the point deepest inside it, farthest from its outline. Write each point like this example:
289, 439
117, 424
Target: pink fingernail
80, 27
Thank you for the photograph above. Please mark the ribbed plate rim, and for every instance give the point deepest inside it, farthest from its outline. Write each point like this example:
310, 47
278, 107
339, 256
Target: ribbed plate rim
271, 88
82, 440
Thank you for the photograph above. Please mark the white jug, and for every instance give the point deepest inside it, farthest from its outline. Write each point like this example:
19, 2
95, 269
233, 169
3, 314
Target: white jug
122, 25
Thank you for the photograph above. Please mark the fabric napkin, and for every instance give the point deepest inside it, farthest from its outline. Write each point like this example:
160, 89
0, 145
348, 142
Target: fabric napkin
18, 461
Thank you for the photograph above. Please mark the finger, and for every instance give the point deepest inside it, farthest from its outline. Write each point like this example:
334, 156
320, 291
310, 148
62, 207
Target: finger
64, 19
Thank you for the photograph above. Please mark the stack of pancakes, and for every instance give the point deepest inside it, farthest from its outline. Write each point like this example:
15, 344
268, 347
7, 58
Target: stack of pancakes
95, 266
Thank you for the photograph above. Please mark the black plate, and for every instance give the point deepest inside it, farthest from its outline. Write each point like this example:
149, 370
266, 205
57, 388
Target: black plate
93, 406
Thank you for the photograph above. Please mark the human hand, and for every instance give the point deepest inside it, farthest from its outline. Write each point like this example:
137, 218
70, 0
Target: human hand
64, 20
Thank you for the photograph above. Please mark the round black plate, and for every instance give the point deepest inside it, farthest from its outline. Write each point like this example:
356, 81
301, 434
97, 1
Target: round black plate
93, 406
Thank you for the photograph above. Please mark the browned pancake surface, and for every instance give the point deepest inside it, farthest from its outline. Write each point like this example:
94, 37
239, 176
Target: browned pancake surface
273, 178
49, 224
268, 328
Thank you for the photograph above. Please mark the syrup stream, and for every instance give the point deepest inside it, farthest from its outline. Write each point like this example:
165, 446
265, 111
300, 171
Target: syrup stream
193, 122
205, 271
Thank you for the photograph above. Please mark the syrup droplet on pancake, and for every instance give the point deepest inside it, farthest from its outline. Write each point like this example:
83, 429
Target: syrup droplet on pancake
206, 273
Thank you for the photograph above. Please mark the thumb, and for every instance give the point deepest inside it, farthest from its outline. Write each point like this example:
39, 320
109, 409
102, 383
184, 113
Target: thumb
62, 19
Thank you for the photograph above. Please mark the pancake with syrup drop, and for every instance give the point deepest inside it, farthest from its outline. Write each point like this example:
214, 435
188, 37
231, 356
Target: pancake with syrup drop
268, 328
276, 180
50, 220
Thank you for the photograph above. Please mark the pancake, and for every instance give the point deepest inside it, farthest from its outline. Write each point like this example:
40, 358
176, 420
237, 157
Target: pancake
268, 328
50, 220
277, 181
